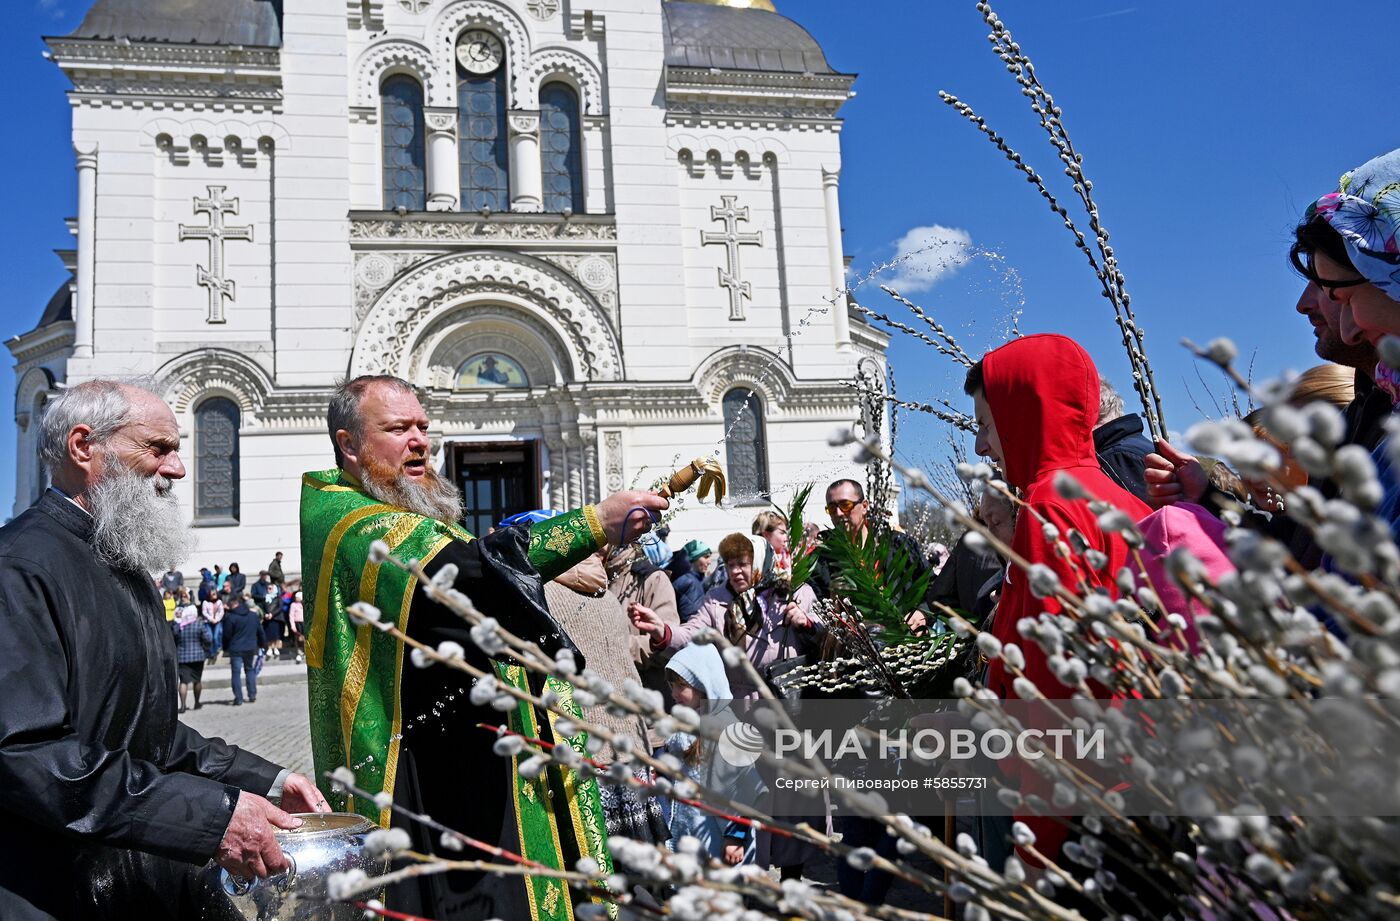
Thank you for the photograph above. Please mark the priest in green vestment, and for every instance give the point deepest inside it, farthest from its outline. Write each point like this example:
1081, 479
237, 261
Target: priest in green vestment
413, 732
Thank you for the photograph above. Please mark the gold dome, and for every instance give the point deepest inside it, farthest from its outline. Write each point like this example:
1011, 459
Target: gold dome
741, 4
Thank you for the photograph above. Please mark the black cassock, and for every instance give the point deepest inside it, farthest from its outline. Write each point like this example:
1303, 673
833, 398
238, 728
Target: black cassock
446, 766
109, 803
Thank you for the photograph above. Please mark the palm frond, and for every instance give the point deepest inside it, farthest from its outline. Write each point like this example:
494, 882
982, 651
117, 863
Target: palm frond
803, 557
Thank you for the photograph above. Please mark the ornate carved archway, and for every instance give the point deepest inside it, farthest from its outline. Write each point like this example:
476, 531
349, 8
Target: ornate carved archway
408, 308
759, 369
189, 377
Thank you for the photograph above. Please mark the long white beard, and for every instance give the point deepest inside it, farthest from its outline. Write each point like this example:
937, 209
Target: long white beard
138, 525
433, 497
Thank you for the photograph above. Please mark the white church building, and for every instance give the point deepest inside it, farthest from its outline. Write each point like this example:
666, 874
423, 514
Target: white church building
602, 236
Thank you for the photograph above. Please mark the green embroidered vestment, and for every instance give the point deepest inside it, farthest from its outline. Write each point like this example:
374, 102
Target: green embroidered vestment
354, 672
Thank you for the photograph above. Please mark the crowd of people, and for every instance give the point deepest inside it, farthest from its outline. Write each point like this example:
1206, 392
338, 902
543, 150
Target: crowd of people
145, 798
225, 616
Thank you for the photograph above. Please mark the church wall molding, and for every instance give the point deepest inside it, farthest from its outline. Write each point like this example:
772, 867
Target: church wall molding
749, 367
377, 269
512, 329
759, 100
365, 14
168, 75
471, 228
727, 153
43, 343
213, 137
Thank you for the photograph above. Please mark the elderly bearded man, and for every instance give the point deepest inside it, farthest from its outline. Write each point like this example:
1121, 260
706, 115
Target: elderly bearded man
412, 732
109, 803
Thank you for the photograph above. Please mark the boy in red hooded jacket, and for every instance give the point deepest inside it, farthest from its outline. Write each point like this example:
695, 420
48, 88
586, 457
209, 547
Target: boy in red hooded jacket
1036, 401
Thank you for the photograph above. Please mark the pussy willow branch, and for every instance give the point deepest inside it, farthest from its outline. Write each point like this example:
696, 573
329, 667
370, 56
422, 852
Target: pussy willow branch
1105, 263
988, 884
1050, 119
955, 419
610, 737
906, 329
957, 350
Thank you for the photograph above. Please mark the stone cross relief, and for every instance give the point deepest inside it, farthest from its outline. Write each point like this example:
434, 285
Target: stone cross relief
216, 206
731, 239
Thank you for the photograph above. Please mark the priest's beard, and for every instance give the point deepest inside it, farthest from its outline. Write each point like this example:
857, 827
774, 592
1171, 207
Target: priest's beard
429, 495
137, 522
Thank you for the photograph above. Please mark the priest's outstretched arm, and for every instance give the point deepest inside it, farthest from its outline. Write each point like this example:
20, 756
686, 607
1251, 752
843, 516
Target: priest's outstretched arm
503, 572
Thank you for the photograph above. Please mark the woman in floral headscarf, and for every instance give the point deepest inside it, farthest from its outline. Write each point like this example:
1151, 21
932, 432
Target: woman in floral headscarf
1347, 245
749, 610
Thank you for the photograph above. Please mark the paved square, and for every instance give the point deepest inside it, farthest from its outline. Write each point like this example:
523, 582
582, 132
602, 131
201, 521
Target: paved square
274, 727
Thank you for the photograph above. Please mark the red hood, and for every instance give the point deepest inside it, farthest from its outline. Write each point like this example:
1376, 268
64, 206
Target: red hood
1043, 392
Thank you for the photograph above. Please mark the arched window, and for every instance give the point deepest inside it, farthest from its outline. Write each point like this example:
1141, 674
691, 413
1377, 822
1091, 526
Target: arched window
746, 447
216, 462
482, 139
561, 157
405, 163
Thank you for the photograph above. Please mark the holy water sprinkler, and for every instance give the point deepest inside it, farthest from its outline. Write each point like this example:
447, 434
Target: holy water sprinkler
705, 469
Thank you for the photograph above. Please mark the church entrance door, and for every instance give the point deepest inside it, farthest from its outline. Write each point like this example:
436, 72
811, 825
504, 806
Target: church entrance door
497, 479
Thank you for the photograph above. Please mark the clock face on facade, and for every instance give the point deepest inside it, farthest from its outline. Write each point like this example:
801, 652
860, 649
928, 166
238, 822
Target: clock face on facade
479, 52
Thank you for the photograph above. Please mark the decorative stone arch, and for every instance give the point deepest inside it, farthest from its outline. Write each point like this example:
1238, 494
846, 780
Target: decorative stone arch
195, 376
508, 26
33, 390
34, 384
488, 323
410, 307
392, 56
567, 66
754, 368
873, 366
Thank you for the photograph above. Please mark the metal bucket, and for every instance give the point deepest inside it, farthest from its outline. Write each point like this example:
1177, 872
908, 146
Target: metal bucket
326, 843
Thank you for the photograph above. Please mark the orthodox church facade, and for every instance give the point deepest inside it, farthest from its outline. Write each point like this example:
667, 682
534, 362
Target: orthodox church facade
602, 236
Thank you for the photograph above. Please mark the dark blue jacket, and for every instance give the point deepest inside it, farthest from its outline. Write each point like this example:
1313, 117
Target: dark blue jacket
1121, 447
242, 630
690, 594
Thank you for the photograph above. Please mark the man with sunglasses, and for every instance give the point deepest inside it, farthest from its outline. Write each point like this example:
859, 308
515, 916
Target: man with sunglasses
849, 509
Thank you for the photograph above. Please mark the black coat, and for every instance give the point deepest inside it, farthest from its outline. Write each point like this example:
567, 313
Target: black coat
446, 767
96, 774
1121, 447
962, 582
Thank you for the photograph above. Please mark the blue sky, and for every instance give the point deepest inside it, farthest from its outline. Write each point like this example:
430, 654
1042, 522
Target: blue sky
1206, 128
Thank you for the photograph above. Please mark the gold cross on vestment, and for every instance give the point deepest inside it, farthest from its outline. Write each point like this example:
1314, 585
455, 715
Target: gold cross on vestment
732, 240
216, 233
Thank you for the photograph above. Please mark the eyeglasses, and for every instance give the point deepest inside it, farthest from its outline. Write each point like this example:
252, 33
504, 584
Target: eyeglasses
1303, 264
844, 505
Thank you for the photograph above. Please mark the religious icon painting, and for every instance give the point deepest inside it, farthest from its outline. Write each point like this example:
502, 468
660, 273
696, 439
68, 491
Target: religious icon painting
491, 371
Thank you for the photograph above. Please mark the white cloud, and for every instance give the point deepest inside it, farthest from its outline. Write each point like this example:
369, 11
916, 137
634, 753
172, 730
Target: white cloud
926, 254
